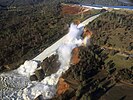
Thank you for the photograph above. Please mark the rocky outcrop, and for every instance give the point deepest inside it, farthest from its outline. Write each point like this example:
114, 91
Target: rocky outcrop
47, 67
50, 65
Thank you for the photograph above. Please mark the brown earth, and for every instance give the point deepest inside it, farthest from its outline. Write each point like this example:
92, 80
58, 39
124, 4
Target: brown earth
87, 32
73, 9
62, 86
75, 56
75, 53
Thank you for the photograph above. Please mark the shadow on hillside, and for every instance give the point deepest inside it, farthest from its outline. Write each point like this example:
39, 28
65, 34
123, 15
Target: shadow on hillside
100, 92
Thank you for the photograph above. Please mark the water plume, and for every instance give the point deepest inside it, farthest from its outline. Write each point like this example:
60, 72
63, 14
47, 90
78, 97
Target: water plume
47, 87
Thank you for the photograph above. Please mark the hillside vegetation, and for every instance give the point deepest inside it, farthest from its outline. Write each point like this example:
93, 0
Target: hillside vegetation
27, 32
104, 70
114, 29
91, 77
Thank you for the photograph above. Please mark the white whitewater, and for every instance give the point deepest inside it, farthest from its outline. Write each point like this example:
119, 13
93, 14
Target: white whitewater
15, 85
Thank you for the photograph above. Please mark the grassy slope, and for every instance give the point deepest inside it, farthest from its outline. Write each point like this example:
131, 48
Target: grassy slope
120, 61
114, 30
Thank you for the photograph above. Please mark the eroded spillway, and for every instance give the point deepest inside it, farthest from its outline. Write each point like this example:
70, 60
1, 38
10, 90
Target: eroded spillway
17, 84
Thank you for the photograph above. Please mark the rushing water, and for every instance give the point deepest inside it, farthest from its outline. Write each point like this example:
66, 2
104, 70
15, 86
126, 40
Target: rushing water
15, 85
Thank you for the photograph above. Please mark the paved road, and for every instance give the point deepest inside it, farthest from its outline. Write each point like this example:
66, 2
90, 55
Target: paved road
52, 49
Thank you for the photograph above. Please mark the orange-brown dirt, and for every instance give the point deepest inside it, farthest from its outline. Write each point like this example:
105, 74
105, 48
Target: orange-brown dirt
62, 86
87, 32
75, 56
75, 53
77, 22
73, 9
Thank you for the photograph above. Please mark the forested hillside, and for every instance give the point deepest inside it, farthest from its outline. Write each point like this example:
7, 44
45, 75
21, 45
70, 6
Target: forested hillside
114, 33
102, 71
92, 79
114, 29
25, 33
